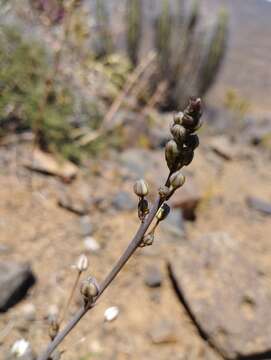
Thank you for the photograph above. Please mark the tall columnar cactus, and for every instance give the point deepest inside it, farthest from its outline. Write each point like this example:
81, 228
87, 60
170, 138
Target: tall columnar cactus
189, 56
163, 31
133, 28
103, 45
214, 53
187, 62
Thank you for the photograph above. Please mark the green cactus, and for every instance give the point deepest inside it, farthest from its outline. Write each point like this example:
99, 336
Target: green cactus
103, 45
133, 29
188, 63
193, 16
189, 56
214, 53
163, 30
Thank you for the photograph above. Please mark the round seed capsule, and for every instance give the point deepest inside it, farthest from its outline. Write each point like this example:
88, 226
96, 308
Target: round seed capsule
192, 141
141, 188
163, 212
178, 117
177, 180
178, 132
172, 153
189, 122
198, 126
187, 157
89, 288
143, 208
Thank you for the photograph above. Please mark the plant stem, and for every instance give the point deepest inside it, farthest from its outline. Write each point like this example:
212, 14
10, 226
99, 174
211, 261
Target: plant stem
70, 297
106, 282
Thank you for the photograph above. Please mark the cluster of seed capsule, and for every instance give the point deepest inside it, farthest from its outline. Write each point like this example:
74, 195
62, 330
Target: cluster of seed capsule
179, 152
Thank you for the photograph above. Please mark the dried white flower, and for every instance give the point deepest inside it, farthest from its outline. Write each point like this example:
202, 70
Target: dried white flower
82, 263
20, 347
111, 313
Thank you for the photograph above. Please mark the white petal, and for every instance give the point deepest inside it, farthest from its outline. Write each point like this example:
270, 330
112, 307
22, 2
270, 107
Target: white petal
111, 313
20, 347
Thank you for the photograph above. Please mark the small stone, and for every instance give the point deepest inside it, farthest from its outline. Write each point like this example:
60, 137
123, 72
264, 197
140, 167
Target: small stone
73, 204
222, 146
4, 248
163, 333
29, 312
153, 277
187, 198
15, 281
45, 163
53, 312
96, 347
136, 161
111, 313
91, 244
123, 201
174, 223
225, 293
260, 205
86, 225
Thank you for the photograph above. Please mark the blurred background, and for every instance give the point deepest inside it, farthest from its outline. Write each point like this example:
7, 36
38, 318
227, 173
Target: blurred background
88, 89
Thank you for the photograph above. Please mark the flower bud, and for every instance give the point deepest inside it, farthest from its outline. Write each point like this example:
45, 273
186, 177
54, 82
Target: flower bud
187, 157
178, 132
143, 208
178, 117
147, 240
177, 180
82, 263
172, 153
163, 212
141, 188
189, 122
89, 289
192, 141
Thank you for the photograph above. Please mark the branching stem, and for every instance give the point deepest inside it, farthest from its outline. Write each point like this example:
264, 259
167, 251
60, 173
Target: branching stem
107, 281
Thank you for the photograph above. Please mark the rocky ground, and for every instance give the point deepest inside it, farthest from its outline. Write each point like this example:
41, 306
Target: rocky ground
197, 293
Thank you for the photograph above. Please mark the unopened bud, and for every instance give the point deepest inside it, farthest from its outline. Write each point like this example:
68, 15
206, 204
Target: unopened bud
141, 188
147, 240
189, 122
163, 212
187, 157
178, 132
198, 126
82, 263
192, 141
178, 117
172, 153
143, 208
177, 180
192, 114
89, 289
